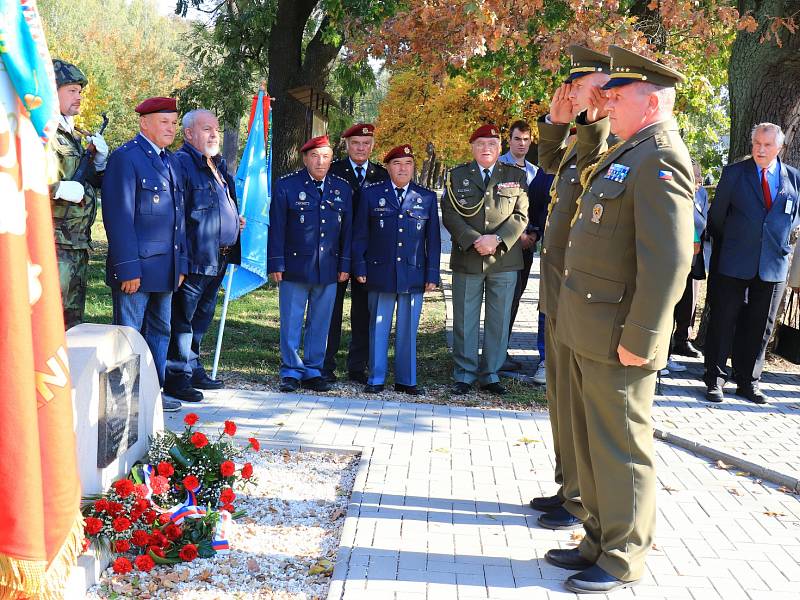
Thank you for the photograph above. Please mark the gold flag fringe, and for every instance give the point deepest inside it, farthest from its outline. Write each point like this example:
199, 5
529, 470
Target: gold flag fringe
35, 579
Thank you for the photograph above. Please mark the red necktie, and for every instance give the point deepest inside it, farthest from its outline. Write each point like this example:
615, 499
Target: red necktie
765, 188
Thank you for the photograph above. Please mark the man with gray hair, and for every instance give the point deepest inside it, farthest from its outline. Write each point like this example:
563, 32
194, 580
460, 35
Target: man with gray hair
751, 218
212, 235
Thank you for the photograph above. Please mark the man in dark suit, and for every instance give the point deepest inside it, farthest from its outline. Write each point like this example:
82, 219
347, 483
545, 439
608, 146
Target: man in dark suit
750, 220
358, 171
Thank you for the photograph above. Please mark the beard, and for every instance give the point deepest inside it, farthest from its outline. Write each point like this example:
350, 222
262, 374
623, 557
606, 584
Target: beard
212, 149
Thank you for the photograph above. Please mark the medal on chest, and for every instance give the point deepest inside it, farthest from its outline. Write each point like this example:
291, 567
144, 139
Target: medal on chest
597, 213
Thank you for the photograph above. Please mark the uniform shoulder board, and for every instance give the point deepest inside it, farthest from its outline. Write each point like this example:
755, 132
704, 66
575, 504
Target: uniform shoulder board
335, 176
461, 166
662, 140
513, 165
424, 189
373, 184
292, 174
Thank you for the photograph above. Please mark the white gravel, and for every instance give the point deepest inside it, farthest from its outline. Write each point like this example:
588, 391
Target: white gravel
294, 519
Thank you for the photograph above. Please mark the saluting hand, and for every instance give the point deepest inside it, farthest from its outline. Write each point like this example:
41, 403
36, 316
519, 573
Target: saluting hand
561, 109
628, 358
598, 98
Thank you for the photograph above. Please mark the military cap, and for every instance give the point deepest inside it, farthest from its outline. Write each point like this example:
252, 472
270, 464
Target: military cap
485, 131
586, 62
68, 74
157, 105
403, 151
360, 129
316, 142
629, 67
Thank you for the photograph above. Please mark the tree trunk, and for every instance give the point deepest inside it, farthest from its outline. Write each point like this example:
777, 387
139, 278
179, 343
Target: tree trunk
230, 146
764, 79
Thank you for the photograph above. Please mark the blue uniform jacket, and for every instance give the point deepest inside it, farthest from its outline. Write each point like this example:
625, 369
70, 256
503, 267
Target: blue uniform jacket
202, 198
397, 247
310, 237
143, 216
748, 240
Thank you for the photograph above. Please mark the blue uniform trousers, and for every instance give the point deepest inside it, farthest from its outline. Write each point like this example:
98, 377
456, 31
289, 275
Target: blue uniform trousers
294, 298
149, 314
540, 336
381, 310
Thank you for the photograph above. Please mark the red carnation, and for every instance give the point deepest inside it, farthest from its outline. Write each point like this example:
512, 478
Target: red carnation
144, 563
173, 532
142, 504
165, 469
164, 518
134, 515
121, 524
140, 491
115, 508
149, 516
121, 546
190, 419
190, 482
198, 440
247, 471
101, 505
159, 485
227, 496
228, 507
85, 545
158, 539
140, 538
254, 443
92, 525
157, 551
188, 552
122, 565
123, 487
230, 428
227, 468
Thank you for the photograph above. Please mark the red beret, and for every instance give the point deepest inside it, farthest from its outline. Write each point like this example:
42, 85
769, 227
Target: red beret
487, 131
403, 151
317, 142
360, 129
157, 105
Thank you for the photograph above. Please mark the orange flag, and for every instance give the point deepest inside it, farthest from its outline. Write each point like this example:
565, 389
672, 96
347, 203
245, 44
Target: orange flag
40, 525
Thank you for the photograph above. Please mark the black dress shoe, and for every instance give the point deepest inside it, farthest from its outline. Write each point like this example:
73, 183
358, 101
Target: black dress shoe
329, 376
714, 393
316, 384
567, 559
460, 388
357, 376
687, 349
494, 388
751, 393
186, 394
595, 580
546, 503
559, 519
411, 390
373, 388
201, 381
289, 384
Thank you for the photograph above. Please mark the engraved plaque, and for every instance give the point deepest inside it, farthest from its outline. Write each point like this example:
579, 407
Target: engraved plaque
118, 424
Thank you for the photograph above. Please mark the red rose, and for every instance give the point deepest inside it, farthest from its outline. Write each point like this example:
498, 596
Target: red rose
159, 485
254, 443
140, 491
122, 565
92, 526
144, 563
198, 440
123, 487
140, 538
173, 532
190, 419
227, 468
101, 505
190, 482
188, 553
247, 471
149, 517
230, 428
228, 507
121, 524
165, 469
115, 508
157, 551
158, 539
121, 546
164, 518
227, 496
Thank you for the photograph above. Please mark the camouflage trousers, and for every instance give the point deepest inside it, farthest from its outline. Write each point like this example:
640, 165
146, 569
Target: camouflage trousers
73, 272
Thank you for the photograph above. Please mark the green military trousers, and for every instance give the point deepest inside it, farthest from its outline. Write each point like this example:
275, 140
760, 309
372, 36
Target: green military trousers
73, 273
613, 435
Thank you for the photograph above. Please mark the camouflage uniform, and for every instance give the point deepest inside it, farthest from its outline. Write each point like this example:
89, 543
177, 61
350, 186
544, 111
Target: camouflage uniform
72, 222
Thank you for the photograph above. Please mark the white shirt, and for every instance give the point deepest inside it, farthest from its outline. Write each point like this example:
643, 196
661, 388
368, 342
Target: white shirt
68, 123
156, 148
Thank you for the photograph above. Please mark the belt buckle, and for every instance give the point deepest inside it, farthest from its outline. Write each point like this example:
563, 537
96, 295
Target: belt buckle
224, 250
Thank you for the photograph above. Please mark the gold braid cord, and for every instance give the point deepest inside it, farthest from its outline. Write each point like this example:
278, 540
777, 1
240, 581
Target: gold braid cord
464, 213
553, 193
588, 174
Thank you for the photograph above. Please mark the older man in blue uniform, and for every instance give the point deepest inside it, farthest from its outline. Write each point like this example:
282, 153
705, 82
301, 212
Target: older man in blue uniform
144, 222
308, 252
396, 250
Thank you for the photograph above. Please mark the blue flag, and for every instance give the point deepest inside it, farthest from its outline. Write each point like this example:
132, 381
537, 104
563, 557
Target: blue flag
253, 185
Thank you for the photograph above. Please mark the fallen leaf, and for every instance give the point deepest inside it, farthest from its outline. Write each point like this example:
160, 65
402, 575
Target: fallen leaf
735, 491
667, 488
656, 548
787, 490
280, 423
443, 450
721, 465
492, 517
286, 455
321, 567
252, 565
204, 575
575, 536
337, 514
743, 473
527, 440
772, 513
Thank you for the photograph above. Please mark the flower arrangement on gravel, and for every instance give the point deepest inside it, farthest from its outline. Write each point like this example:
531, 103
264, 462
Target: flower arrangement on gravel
175, 508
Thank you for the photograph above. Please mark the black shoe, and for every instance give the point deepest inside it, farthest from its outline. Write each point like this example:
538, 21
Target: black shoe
595, 580
714, 393
460, 388
752, 393
546, 503
494, 388
289, 384
687, 349
186, 394
559, 519
357, 376
170, 404
329, 376
201, 381
316, 384
411, 390
567, 559
373, 388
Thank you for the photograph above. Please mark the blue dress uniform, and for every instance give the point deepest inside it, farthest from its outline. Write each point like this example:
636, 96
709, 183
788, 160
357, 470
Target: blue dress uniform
397, 247
310, 235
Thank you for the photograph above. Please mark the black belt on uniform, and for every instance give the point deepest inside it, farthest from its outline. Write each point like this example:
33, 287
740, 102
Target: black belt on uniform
225, 250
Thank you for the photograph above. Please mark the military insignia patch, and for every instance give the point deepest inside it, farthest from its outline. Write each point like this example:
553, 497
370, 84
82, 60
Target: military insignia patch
302, 218
381, 223
597, 213
336, 192
508, 184
665, 175
462, 201
302, 195
465, 182
156, 199
382, 202
617, 172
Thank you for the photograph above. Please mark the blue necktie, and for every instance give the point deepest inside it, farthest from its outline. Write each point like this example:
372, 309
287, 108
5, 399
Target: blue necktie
486, 177
399, 192
360, 175
163, 155
319, 186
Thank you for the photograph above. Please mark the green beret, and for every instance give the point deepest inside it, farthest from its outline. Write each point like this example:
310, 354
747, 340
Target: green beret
68, 74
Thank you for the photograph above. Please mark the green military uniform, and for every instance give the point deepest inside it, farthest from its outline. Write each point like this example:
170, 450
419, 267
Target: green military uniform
471, 209
566, 160
72, 222
626, 263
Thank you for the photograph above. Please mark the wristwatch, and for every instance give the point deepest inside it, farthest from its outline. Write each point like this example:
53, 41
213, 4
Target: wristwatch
498, 238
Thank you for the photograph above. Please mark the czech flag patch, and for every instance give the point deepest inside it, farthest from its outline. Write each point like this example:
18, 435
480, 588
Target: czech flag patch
665, 175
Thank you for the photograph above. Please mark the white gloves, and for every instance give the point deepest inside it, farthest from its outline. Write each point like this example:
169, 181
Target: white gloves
101, 155
71, 191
